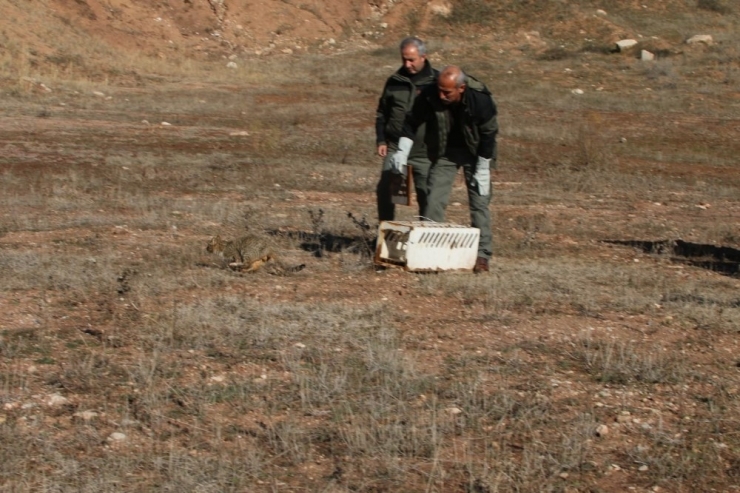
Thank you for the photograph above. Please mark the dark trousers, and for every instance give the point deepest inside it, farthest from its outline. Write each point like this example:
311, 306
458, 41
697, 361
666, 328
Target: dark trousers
442, 177
420, 174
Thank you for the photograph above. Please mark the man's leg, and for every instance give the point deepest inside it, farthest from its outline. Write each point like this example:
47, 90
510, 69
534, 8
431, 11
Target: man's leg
420, 171
441, 177
480, 213
386, 208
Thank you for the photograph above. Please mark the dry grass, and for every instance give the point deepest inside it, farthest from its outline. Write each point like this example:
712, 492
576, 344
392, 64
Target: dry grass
340, 378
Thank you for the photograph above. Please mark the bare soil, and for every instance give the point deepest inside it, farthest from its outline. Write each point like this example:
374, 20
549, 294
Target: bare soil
576, 365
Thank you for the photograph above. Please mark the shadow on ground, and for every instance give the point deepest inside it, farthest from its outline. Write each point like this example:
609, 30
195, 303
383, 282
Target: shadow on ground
320, 243
721, 259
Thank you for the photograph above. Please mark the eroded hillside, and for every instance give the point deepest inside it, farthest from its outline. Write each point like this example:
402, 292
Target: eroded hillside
93, 31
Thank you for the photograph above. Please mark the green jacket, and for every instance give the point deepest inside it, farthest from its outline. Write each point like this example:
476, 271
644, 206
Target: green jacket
396, 100
480, 124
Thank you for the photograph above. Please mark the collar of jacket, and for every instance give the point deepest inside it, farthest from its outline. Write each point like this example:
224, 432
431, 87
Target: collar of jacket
426, 72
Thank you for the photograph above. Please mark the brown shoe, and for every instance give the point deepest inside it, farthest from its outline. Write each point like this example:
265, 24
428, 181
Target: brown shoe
481, 265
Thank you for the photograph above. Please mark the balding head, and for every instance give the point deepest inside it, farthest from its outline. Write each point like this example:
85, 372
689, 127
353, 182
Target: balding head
451, 84
454, 74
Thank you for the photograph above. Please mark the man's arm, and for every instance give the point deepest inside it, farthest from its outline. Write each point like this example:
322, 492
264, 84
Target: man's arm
380, 123
415, 117
487, 126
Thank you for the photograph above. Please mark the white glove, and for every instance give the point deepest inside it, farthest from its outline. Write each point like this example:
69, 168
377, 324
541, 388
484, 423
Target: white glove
482, 176
397, 161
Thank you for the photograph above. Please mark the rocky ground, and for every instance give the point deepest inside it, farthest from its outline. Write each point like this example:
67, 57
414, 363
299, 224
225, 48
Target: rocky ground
132, 361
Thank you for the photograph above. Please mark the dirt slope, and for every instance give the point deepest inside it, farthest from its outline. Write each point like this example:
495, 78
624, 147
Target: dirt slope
47, 26
95, 31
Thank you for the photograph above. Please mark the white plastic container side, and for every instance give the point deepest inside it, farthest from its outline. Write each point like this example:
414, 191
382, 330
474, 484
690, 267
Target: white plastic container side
426, 246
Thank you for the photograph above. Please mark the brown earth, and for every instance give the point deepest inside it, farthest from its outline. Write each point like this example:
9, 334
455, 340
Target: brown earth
194, 28
101, 173
197, 26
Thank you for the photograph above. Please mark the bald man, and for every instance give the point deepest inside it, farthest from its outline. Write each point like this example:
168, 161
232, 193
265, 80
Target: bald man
461, 128
398, 95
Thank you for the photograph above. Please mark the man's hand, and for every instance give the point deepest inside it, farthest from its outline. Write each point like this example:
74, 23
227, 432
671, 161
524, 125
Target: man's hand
482, 176
382, 150
397, 161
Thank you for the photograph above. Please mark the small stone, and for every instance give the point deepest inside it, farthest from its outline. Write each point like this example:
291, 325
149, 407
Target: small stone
577, 92
453, 410
86, 416
602, 430
300, 345
117, 437
643, 468
625, 44
57, 400
700, 38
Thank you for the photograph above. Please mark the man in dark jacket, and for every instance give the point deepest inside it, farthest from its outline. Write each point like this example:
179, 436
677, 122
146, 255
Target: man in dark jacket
399, 93
461, 129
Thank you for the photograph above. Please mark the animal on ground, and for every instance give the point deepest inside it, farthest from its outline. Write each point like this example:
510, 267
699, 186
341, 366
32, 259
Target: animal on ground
248, 253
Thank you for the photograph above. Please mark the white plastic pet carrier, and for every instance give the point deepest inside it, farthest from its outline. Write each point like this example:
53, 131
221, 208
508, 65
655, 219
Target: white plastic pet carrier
426, 246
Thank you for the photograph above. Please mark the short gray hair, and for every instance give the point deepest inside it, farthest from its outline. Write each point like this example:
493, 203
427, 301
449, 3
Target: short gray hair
460, 78
421, 48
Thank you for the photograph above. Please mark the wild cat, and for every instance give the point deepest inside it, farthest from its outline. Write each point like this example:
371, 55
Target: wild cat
248, 253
